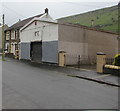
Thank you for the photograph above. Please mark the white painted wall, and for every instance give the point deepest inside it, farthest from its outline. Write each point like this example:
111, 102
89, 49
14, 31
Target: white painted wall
47, 32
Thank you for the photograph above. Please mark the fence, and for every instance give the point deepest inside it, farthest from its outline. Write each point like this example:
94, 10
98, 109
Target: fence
109, 61
86, 62
80, 61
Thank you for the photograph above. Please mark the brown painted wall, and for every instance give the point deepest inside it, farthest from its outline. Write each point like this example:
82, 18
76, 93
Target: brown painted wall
82, 41
71, 40
102, 42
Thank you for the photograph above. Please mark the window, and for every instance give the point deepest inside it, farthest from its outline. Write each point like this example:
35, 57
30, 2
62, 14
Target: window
15, 34
37, 33
35, 22
7, 35
12, 34
16, 47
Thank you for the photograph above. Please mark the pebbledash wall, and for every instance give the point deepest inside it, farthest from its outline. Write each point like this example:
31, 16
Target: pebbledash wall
80, 40
47, 33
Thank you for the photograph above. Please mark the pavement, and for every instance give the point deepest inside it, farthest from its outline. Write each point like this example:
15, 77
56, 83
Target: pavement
91, 75
29, 85
87, 74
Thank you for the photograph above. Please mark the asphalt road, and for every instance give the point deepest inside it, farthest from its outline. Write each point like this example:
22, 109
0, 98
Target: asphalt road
29, 87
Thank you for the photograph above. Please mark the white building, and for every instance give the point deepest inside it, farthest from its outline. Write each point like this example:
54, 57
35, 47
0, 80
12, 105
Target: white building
39, 40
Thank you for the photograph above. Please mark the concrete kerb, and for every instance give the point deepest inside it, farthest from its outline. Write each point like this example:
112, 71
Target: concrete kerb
94, 80
63, 70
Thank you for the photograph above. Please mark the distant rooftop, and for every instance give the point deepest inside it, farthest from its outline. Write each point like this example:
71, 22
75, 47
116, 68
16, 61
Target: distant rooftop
21, 23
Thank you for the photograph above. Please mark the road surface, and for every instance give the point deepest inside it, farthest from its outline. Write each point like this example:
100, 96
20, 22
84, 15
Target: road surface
29, 87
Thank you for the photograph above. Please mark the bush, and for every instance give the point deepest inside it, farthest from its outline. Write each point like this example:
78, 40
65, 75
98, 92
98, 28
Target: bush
117, 60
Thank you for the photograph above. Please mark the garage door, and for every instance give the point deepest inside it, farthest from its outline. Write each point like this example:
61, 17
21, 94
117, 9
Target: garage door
25, 51
36, 51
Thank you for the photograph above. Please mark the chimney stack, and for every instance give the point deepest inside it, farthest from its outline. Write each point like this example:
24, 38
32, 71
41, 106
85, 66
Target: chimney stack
46, 10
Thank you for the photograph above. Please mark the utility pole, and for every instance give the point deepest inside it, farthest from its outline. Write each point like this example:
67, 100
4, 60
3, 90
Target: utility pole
119, 27
3, 39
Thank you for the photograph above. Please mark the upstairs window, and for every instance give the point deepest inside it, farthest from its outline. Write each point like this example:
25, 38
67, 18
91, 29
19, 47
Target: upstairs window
15, 34
7, 35
35, 22
37, 33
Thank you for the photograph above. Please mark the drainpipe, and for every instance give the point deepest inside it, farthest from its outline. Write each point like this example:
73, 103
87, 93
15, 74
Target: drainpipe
42, 33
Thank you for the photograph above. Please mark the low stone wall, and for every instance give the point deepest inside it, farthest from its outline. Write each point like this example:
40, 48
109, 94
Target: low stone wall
111, 69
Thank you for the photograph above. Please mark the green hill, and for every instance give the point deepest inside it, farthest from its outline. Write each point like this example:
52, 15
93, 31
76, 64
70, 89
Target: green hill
105, 19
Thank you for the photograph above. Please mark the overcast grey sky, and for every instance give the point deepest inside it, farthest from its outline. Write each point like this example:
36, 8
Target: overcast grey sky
20, 10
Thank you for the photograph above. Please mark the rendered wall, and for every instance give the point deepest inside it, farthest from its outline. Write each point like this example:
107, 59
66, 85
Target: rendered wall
48, 34
102, 42
72, 40
75, 41
86, 41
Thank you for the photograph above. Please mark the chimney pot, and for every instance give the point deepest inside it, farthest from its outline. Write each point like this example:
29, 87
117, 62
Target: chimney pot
46, 10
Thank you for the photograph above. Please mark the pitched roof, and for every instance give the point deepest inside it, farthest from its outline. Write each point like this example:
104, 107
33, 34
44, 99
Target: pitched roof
86, 27
47, 20
20, 24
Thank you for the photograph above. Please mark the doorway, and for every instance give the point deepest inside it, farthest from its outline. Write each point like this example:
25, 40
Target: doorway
36, 51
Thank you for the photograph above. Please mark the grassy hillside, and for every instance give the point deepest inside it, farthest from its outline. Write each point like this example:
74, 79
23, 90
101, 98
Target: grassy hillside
106, 19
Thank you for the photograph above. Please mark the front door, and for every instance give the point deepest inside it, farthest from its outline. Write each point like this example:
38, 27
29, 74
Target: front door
36, 51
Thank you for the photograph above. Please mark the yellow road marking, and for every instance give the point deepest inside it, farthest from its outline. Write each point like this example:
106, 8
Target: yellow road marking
101, 76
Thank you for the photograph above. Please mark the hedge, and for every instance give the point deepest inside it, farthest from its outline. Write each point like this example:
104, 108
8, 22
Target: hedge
117, 60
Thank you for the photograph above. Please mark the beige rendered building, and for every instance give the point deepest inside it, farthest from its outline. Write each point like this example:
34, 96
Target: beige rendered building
78, 40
